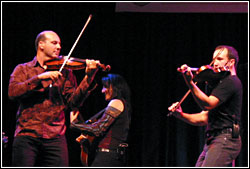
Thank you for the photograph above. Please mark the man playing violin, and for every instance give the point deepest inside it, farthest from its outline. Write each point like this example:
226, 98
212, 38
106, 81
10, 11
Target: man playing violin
220, 111
44, 95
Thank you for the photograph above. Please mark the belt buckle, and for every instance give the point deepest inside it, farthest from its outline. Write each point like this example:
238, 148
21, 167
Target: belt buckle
104, 150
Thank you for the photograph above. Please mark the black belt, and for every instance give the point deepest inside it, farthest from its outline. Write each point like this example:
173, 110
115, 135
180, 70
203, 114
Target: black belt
121, 149
218, 132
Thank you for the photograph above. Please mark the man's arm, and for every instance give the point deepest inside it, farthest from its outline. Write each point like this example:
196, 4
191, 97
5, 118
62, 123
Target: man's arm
196, 119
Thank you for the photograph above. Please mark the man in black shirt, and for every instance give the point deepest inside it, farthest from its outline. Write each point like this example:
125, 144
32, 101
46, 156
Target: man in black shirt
220, 111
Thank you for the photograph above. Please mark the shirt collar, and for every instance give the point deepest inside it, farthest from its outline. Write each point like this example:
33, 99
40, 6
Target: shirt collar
34, 62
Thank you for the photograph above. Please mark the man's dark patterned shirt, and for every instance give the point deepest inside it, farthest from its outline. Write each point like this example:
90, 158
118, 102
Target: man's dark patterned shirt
41, 111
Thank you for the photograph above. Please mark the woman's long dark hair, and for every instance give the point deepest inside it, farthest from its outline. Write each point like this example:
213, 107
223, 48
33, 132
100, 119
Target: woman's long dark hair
121, 88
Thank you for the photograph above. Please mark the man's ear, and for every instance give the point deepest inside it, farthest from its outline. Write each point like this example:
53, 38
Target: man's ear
232, 62
41, 45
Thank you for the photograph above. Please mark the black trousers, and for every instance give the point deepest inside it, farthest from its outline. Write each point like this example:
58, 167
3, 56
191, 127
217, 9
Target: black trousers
29, 151
109, 159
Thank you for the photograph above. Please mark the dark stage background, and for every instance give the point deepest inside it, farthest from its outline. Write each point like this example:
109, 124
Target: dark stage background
145, 48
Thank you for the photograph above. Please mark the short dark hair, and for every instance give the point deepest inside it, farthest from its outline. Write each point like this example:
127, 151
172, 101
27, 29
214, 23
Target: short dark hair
41, 37
232, 53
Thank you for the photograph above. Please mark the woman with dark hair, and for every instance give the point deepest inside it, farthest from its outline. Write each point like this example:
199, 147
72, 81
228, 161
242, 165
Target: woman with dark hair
111, 130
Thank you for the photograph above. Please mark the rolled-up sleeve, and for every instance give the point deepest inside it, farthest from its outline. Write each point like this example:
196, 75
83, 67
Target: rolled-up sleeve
19, 85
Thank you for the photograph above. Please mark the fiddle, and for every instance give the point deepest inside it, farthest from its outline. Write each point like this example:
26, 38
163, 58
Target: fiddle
209, 74
71, 63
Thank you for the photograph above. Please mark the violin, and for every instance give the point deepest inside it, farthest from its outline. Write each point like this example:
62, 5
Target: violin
209, 74
72, 64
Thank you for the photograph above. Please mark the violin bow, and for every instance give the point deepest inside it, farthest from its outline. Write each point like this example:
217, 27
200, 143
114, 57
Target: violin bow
189, 91
68, 56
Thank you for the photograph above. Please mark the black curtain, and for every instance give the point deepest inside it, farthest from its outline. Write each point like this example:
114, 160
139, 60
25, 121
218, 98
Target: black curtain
145, 48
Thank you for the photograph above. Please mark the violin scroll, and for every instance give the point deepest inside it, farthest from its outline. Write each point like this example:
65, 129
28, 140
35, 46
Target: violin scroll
105, 68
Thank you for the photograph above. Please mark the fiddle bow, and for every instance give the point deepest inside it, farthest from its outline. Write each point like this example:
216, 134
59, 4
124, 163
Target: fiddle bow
68, 56
73, 63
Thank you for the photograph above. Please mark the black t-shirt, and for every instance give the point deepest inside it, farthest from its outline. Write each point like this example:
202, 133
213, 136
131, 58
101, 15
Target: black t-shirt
229, 92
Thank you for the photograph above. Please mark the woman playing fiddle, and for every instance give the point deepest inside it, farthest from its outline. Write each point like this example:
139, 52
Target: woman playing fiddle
220, 111
40, 127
